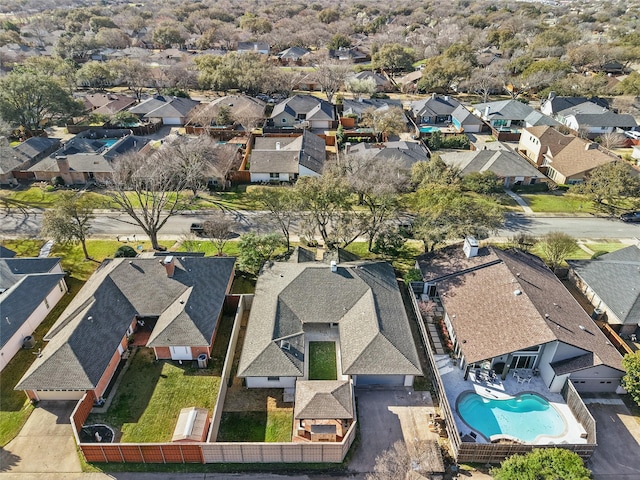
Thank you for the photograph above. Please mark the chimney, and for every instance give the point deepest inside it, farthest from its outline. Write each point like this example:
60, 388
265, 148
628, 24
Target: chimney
169, 265
446, 98
487, 111
277, 145
334, 266
591, 146
63, 164
470, 247
552, 95
433, 96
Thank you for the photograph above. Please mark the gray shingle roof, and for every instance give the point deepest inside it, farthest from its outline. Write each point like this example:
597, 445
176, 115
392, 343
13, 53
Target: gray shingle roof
606, 119
323, 400
479, 297
6, 253
615, 278
434, 105
558, 104
465, 117
21, 299
34, 146
358, 107
362, 298
309, 105
87, 334
307, 150
516, 111
504, 163
403, 153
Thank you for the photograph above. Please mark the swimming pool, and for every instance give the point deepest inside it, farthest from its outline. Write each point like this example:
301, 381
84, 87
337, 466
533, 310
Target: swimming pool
109, 142
525, 416
429, 129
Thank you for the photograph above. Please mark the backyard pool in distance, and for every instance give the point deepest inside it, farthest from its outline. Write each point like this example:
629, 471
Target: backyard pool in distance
525, 416
108, 142
429, 129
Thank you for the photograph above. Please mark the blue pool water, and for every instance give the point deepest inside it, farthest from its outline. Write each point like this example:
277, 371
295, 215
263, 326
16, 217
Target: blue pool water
525, 416
429, 129
109, 142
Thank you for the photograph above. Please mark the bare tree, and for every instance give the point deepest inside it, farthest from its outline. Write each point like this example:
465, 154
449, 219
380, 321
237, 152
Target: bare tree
218, 229
147, 188
612, 140
330, 75
484, 82
281, 204
556, 247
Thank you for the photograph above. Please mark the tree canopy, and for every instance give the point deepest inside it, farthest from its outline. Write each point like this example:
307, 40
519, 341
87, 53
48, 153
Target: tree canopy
631, 379
543, 464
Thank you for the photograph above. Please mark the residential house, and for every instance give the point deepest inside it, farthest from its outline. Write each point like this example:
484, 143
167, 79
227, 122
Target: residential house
86, 159
8, 163
107, 103
589, 116
29, 289
403, 153
294, 55
262, 48
359, 106
15, 163
244, 110
610, 283
409, 82
354, 55
434, 110
284, 159
6, 253
303, 111
510, 167
507, 309
381, 82
177, 301
171, 110
357, 305
573, 163
465, 121
511, 116
535, 142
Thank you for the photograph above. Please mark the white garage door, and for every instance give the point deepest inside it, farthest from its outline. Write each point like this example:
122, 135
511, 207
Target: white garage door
592, 385
180, 353
59, 395
387, 380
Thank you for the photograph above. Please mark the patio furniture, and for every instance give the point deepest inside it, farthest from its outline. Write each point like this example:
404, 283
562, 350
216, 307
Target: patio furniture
520, 379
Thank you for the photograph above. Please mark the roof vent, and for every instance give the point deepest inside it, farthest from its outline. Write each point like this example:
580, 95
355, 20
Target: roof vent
517, 292
284, 345
582, 327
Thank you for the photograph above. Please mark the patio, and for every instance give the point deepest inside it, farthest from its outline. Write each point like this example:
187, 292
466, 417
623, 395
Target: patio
455, 385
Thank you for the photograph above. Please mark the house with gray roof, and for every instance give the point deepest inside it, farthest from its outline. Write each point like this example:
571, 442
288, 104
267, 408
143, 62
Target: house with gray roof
434, 110
303, 111
171, 110
284, 159
15, 161
293, 55
176, 300
382, 84
511, 115
361, 105
508, 310
29, 289
402, 153
510, 167
465, 121
357, 305
262, 48
610, 282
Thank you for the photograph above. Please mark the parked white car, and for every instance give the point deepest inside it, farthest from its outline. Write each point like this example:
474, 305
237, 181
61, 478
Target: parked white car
633, 134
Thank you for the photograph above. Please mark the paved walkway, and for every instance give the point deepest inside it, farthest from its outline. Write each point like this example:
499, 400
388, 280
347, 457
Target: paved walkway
525, 208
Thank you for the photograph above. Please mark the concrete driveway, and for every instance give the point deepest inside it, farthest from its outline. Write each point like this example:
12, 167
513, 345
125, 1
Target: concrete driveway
45, 444
386, 416
618, 453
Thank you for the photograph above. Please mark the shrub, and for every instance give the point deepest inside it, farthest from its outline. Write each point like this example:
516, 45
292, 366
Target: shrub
413, 275
49, 188
125, 251
57, 181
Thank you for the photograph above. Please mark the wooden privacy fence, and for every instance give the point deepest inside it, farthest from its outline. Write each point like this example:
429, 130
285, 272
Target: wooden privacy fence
211, 451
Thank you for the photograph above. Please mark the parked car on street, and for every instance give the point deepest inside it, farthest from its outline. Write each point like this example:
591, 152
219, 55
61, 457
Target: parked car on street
197, 228
630, 217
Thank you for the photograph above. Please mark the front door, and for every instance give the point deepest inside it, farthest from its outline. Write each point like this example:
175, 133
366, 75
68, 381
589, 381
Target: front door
180, 353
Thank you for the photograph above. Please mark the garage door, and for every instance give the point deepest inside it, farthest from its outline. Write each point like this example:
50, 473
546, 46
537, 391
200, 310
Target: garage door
59, 395
590, 385
386, 380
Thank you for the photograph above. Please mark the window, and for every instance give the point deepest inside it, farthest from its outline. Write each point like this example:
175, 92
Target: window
284, 120
302, 116
273, 379
274, 176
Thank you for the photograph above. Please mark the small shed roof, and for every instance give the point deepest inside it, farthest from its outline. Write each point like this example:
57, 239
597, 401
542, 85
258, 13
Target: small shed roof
192, 426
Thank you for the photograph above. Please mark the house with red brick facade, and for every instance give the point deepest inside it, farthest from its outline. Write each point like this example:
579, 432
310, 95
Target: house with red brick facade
178, 300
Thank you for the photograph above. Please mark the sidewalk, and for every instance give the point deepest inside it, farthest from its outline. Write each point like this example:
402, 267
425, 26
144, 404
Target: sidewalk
519, 201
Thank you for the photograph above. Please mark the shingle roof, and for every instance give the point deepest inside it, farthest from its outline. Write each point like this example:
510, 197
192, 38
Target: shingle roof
87, 334
358, 107
362, 298
323, 400
515, 110
305, 104
465, 117
25, 283
577, 157
606, 119
240, 106
615, 278
307, 150
504, 163
511, 296
158, 106
34, 146
293, 53
558, 104
403, 153
550, 137
6, 253
434, 105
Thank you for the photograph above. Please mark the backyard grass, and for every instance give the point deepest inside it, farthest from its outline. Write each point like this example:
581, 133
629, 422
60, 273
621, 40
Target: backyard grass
322, 361
24, 247
152, 393
263, 426
14, 405
558, 202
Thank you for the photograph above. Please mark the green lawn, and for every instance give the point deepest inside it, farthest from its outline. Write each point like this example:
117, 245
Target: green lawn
264, 426
24, 247
152, 393
14, 405
558, 202
402, 263
322, 361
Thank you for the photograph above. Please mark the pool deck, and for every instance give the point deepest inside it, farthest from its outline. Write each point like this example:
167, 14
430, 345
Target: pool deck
455, 385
